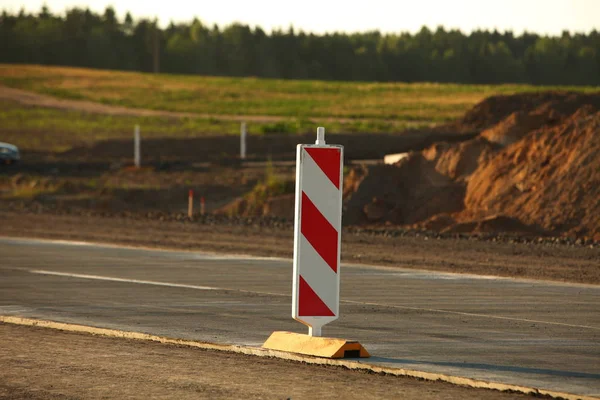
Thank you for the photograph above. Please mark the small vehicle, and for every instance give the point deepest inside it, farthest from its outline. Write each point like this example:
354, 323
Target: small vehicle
9, 153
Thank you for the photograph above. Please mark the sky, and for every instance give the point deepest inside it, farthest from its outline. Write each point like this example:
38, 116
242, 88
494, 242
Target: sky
546, 17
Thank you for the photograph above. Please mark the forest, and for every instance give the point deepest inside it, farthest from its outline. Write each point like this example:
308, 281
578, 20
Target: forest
82, 38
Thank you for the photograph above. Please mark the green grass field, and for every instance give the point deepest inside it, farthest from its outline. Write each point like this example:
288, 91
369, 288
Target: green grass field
347, 106
251, 96
56, 130
49, 129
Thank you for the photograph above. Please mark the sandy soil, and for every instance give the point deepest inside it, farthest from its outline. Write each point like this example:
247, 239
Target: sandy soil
533, 169
41, 363
546, 260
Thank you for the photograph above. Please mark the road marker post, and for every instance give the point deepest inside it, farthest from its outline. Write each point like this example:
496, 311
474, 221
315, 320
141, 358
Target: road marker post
190, 204
202, 205
243, 136
137, 155
317, 245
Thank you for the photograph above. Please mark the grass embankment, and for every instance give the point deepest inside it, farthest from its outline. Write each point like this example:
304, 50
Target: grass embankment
56, 130
248, 96
49, 129
252, 96
340, 106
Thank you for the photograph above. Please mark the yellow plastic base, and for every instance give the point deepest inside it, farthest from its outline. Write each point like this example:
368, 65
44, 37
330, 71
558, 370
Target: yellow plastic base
315, 346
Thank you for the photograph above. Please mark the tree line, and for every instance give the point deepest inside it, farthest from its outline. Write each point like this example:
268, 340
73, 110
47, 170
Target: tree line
83, 38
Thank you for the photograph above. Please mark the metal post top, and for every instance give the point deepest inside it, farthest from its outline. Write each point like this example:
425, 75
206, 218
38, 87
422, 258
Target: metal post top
320, 136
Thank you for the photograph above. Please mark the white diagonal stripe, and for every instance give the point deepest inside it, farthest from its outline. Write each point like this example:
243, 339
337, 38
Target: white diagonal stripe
321, 191
319, 275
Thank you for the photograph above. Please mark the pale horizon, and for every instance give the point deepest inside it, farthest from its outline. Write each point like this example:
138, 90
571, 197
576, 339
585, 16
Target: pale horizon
550, 17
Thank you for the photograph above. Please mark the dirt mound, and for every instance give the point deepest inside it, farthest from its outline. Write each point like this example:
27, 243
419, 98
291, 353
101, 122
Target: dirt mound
551, 178
514, 127
458, 161
518, 124
533, 169
274, 198
405, 193
496, 108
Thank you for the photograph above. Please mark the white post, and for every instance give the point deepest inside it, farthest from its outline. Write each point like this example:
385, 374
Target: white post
243, 134
136, 147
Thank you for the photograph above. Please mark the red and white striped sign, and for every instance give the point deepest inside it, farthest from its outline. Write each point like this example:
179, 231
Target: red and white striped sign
317, 235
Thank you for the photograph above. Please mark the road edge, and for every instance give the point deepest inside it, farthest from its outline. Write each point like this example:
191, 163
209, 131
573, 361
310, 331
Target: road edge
261, 352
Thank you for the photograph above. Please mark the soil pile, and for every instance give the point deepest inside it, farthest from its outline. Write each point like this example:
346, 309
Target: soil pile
550, 178
494, 109
261, 202
402, 194
534, 168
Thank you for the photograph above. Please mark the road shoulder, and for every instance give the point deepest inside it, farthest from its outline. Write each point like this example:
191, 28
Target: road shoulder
43, 363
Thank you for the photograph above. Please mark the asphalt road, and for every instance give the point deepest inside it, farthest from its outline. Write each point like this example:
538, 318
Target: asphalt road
530, 333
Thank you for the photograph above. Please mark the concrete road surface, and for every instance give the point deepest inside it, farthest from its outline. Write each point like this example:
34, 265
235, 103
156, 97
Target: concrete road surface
531, 333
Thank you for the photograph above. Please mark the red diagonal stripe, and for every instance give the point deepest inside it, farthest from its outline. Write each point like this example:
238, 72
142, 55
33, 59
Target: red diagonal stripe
319, 232
310, 304
329, 162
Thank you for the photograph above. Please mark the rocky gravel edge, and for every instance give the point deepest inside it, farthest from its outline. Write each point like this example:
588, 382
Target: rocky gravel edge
287, 224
